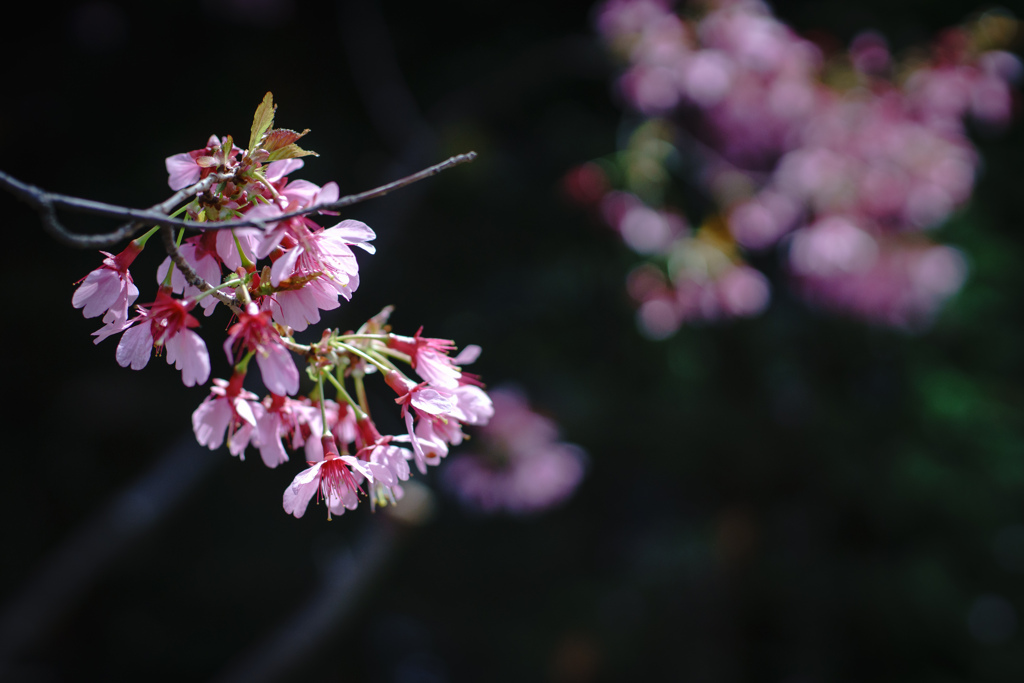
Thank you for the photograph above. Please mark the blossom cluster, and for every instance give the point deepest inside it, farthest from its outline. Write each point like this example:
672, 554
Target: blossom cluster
306, 268
517, 464
842, 162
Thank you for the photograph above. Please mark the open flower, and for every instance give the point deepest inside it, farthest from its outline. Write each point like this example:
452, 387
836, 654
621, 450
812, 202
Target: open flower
254, 332
228, 409
109, 291
166, 324
201, 253
336, 479
189, 168
429, 358
426, 402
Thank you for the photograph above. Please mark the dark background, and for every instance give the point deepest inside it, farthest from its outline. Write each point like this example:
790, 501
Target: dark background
795, 498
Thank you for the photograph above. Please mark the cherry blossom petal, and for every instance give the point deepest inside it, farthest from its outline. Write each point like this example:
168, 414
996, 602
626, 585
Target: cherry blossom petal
278, 169
135, 347
209, 422
301, 490
187, 351
278, 370
183, 171
98, 292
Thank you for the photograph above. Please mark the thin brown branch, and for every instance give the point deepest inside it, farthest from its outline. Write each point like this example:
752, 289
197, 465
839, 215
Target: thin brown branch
47, 203
191, 276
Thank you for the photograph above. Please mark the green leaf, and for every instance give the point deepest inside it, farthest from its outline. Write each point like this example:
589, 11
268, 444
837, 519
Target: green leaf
290, 152
262, 120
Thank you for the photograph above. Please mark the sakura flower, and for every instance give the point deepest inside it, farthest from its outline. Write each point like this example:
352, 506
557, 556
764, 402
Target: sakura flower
527, 482
109, 290
300, 307
166, 324
428, 403
472, 405
182, 171
336, 479
254, 332
282, 417
313, 427
200, 253
229, 408
328, 253
432, 439
228, 243
291, 197
429, 358
393, 461
189, 168
380, 451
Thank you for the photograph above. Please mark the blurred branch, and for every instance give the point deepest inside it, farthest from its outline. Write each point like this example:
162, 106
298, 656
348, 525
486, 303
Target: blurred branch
70, 570
347, 579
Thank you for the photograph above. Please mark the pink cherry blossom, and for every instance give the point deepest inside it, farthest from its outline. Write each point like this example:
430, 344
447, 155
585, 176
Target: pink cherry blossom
382, 453
336, 479
109, 291
254, 332
227, 243
189, 167
166, 323
293, 196
518, 465
472, 405
228, 409
785, 151
277, 170
429, 358
327, 252
426, 402
283, 420
200, 253
307, 268
299, 308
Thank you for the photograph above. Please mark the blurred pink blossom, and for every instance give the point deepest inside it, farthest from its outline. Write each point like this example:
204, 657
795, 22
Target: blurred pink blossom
517, 466
833, 159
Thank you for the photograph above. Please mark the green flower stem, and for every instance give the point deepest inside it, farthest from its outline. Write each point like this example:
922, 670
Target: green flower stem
263, 179
224, 285
241, 252
170, 269
360, 415
242, 366
140, 242
301, 349
361, 391
394, 353
383, 367
242, 294
323, 412
355, 336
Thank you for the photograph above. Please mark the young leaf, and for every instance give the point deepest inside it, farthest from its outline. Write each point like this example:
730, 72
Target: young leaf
281, 137
262, 120
290, 152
